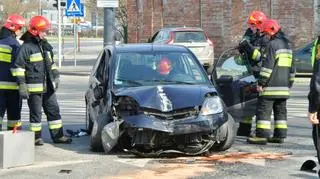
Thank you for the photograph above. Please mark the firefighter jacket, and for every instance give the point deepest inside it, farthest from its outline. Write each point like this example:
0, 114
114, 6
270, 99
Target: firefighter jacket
34, 64
257, 43
314, 93
9, 47
277, 71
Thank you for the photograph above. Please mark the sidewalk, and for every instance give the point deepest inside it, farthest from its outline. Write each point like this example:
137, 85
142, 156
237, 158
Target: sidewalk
85, 60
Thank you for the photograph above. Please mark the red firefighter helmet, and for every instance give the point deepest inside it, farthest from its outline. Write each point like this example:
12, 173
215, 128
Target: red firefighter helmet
257, 18
38, 24
164, 66
271, 27
15, 22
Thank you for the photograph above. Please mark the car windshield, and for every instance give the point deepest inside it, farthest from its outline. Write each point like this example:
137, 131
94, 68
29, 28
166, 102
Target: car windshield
145, 69
189, 36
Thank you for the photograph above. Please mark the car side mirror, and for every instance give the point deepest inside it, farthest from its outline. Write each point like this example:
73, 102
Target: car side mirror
225, 79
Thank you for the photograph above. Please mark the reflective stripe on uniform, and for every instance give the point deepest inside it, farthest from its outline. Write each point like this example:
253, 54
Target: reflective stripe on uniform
256, 55
281, 124
57, 124
5, 53
8, 85
35, 127
265, 72
37, 57
263, 124
284, 57
247, 120
54, 67
14, 123
17, 71
314, 51
35, 87
275, 91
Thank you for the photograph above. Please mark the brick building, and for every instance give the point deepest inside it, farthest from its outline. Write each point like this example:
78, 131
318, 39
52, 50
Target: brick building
223, 20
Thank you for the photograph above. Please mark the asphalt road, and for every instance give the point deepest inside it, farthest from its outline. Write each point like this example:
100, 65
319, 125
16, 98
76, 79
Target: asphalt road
241, 161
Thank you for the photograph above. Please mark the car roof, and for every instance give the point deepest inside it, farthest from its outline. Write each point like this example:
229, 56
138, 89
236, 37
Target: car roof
149, 47
182, 29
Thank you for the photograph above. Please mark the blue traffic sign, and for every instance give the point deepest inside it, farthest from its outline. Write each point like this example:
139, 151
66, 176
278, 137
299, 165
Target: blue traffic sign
74, 8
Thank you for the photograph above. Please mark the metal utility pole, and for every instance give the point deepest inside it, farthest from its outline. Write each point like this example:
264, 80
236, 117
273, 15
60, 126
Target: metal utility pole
59, 34
40, 12
109, 20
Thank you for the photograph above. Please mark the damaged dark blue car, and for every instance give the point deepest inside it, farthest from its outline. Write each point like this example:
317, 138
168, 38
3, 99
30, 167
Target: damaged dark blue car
156, 99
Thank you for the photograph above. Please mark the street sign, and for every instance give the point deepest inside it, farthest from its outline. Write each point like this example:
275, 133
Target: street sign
107, 3
76, 14
74, 8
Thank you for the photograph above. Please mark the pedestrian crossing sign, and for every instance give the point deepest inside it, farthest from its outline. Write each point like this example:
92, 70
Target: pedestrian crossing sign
73, 7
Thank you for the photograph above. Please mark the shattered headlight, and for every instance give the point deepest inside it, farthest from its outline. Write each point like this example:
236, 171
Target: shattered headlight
211, 105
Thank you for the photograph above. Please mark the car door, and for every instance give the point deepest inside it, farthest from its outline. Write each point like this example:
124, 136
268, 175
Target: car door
97, 86
233, 77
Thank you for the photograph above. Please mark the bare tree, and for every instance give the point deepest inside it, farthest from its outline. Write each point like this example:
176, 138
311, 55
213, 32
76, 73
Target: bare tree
15, 6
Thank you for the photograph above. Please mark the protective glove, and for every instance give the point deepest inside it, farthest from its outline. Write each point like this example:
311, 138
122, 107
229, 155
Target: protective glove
23, 91
245, 46
56, 83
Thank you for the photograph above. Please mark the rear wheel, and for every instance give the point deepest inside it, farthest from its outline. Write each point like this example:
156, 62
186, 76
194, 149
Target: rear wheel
96, 142
230, 127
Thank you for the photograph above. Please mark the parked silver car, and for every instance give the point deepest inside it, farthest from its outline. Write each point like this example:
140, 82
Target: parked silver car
192, 37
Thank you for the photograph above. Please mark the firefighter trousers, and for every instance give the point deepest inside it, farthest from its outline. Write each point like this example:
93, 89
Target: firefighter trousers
11, 103
264, 111
47, 101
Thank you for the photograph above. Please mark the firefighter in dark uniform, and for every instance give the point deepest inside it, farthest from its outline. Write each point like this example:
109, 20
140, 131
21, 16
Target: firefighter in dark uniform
274, 83
38, 79
253, 44
314, 94
9, 95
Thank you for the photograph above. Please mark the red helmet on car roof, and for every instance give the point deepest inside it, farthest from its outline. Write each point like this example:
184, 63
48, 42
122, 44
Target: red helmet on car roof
164, 66
38, 24
271, 27
257, 18
15, 22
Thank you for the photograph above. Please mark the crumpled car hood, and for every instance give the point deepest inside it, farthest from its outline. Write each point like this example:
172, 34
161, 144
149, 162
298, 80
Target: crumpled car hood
166, 98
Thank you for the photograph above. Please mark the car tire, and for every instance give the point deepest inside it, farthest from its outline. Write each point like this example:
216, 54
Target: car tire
96, 142
230, 126
89, 122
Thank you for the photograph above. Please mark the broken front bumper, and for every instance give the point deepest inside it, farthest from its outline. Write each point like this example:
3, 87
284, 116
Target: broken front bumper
180, 126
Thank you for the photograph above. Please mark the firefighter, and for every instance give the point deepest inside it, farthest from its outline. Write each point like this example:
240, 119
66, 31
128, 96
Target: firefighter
38, 79
253, 43
314, 93
274, 83
9, 96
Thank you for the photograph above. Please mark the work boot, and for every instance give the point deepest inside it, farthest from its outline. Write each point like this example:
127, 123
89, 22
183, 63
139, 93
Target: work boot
257, 140
276, 140
38, 142
62, 140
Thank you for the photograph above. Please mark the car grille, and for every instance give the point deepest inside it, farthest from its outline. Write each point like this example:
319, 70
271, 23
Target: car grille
172, 115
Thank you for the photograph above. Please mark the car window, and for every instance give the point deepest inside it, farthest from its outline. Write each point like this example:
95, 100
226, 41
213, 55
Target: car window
158, 37
100, 73
157, 69
166, 35
189, 36
236, 66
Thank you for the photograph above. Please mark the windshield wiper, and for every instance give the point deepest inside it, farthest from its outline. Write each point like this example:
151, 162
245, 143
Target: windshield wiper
133, 82
170, 81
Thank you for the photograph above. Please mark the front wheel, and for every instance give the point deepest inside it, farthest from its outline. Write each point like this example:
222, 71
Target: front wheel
98, 125
230, 127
